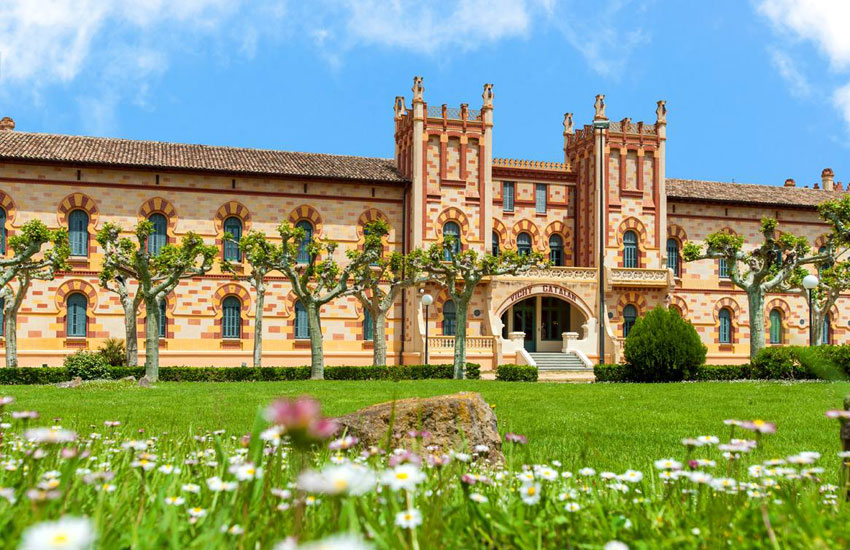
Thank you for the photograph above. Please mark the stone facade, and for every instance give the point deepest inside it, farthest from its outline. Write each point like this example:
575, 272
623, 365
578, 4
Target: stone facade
443, 173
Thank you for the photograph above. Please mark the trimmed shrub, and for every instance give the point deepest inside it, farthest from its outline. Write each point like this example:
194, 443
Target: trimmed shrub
88, 365
516, 373
663, 347
610, 373
722, 372
113, 351
778, 363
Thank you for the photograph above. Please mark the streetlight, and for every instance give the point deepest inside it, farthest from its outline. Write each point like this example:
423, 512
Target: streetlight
426, 300
811, 282
601, 125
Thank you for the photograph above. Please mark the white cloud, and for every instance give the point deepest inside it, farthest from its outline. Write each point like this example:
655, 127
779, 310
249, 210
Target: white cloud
789, 71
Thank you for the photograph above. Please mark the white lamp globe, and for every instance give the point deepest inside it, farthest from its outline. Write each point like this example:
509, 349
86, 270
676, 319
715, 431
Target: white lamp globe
810, 282
427, 299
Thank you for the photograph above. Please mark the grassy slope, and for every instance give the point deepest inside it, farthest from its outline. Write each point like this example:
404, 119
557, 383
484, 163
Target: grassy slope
603, 425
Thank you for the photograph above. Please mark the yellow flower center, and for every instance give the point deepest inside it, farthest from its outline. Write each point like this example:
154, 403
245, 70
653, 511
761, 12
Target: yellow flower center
401, 475
60, 539
531, 491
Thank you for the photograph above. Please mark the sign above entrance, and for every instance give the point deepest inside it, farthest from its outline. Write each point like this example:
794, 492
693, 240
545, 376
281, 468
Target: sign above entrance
546, 289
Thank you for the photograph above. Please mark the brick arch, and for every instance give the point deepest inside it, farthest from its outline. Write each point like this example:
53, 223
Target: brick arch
729, 231
74, 286
456, 215
8, 204
77, 201
820, 241
682, 304
781, 305
635, 225
501, 229
159, 205
527, 226
676, 231
729, 303
231, 289
560, 228
366, 217
232, 209
634, 298
307, 212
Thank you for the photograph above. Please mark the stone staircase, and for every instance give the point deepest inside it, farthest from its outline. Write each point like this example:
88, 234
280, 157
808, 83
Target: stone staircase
557, 361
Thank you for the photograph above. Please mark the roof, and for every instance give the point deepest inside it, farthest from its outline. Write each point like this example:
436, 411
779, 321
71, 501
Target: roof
748, 193
25, 146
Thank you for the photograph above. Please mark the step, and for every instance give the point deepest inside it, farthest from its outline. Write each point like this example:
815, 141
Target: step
556, 361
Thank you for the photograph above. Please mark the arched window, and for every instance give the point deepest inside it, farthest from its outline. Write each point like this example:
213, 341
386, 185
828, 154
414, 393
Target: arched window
630, 249
556, 250
231, 319
673, 256
380, 252
449, 318
163, 320
78, 233
775, 326
302, 327
826, 331
523, 244
723, 268
2, 230
451, 229
368, 326
495, 238
629, 318
233, 226
76, 321
825, 265
725, 326
303, 252
159, 237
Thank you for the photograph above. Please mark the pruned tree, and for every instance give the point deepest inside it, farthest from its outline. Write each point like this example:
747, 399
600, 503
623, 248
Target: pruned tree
320, 279
834, 267
119, 283
18, 272
262, 255
156, 275
461, 271
377, 287
773, 266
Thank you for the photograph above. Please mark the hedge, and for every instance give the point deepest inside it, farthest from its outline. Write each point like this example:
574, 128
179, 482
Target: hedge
516, 373
619, 373
53, 375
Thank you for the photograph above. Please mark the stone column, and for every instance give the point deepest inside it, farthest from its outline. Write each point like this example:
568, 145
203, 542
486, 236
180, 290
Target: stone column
569, 339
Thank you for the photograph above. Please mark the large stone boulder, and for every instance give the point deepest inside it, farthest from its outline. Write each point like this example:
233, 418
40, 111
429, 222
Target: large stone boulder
460, 421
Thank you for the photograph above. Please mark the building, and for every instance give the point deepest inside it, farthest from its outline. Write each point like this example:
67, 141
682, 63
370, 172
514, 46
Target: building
442, 180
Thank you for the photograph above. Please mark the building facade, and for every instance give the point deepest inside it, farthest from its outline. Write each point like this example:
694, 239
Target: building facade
443, 180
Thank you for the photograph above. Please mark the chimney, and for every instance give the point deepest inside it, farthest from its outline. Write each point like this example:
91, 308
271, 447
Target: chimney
839, 186
827, 177
790, 183
7, 124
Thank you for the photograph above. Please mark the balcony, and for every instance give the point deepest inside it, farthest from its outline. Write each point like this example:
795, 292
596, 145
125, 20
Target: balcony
639, 277
478, 344
571, 274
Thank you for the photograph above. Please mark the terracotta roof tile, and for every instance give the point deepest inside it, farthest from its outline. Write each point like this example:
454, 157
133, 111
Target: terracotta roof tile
26, 146
747, 193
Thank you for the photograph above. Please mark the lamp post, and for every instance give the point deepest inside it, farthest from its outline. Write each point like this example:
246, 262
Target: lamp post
811, 282
426, 300
601, 125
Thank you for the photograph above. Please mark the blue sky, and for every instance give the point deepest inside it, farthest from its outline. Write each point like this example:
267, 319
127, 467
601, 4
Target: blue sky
757, 91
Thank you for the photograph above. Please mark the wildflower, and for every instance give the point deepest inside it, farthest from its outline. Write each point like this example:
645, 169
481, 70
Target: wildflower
348, 479
343, 443
50, 435
246, 471
144, 464
409, 519
708, 439
837, 413
730, 422
511, 437
615, 545
310, 500
572, 507
668, 464
463, 457
68, 533
6, 400
112, 423
106, 488
477, 497
301, 419
191, 488
530, 493
334, 542
406, 476
607, 475
234, 529
197, 512
759, 426
25, 415
168, 469
699, 477
526, 476
548, 474
9, 494
174, 501
587, 472
632, 476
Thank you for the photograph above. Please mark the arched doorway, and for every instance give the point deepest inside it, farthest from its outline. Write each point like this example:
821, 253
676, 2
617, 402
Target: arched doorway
543, 319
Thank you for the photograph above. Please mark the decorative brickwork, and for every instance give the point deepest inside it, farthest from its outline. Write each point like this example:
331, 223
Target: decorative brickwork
456, 215
77, 201
67, 288
527, 226
232, 209
307, 212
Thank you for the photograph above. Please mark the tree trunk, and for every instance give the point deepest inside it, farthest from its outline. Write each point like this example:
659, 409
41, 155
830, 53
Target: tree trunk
317, 358
258, 325
379, 338
816, 329
11, 334
460, 338
131, 340
151, 339
755, 299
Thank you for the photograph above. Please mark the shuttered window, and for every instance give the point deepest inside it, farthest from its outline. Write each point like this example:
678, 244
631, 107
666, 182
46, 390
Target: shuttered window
556, 250
630, 249
540, 198
231, 247
78, 233
673, 256
629, 318
508, 196
723, 269
725, 328
159, 237
775, 327
76, 315
368, 326
523, 244
302, 327
163, 320
231, 321
303, 251
495, 244
451, 229
449, 319
2, 230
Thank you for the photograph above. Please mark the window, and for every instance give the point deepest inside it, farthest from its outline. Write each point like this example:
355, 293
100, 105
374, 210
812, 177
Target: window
825, 265
556, 250
368, 326
629, 318
495, 244
451, 229
508, 196
76, 315
540, 198
231, 248
725, 326
163, 320
159, 237
630, 249
775, 326
78, 233
380, 252
673, 256
523, 244
556, 318
723, 269
449, 318
302, 327
826, 331
231, 320
2, 230
303, 252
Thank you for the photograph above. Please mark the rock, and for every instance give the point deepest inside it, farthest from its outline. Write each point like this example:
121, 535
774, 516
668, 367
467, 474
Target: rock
459, 421
145, 382
75, 383
130, 378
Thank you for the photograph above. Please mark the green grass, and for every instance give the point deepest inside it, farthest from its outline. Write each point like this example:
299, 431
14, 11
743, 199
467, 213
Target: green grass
603, 425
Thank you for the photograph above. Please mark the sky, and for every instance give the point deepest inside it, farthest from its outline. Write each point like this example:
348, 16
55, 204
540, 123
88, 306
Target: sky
757, 90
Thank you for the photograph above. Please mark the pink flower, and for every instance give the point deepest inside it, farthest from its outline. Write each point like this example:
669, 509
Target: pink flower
838, 413
759, 426
301, 419
516, 438
731, 422
404, 457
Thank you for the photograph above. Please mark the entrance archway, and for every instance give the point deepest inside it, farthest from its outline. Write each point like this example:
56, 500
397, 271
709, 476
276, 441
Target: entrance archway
543, 319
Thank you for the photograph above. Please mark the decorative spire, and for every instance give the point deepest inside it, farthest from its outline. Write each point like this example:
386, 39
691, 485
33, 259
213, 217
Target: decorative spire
599, 106
568, 123
418, 89
487, 96
7, 124
661, 112
399, 107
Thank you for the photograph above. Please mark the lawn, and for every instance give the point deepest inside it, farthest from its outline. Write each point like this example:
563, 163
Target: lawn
605, 425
